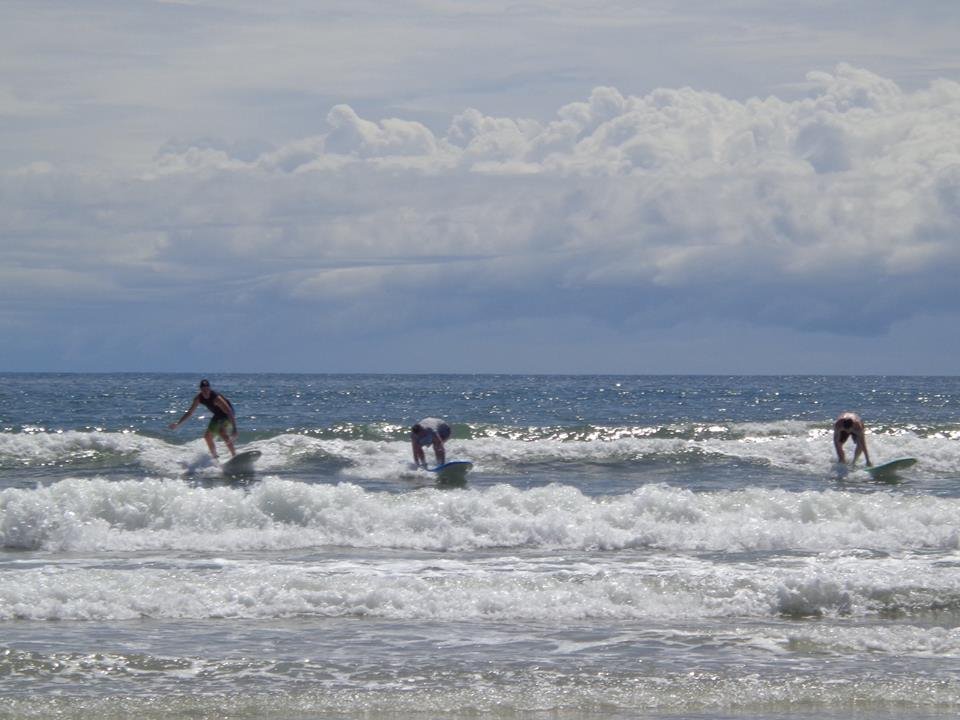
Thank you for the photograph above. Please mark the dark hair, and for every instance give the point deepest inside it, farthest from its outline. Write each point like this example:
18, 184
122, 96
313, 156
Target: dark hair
204, 383
847, 423
416, 429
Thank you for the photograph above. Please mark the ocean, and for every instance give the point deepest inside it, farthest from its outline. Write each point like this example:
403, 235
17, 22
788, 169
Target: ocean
624, 547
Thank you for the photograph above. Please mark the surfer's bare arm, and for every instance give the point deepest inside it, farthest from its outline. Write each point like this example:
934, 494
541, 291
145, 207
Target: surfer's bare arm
188, 413
418, 457
839, 446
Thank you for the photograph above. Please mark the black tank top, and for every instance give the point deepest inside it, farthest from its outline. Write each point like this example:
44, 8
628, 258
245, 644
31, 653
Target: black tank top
210, 404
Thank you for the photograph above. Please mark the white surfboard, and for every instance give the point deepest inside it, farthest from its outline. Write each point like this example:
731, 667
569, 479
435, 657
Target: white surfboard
241, 463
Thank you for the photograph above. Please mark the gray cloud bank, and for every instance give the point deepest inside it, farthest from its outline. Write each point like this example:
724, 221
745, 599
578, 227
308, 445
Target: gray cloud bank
624, 221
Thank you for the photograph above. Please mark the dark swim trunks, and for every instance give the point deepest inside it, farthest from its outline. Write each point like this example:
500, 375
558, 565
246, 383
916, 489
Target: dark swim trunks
219, 425
431, 427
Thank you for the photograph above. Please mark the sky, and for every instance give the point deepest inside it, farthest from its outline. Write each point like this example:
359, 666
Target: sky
555, 186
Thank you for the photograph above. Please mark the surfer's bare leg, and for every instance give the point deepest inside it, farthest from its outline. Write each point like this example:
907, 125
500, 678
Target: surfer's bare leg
862, 448
208, 436
228, 440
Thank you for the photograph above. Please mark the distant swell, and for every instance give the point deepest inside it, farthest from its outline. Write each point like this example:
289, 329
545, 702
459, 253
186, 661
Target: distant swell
382, 451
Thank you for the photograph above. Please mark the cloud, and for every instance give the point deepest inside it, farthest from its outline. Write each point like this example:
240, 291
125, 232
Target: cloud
351, 135
834, 213
12, 105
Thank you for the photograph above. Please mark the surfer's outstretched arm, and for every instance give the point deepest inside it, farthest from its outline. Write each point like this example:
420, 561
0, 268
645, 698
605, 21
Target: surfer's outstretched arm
188, 413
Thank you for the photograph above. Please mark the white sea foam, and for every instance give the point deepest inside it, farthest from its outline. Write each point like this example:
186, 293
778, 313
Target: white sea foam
79, 515
900, 640
43, 447
544, 588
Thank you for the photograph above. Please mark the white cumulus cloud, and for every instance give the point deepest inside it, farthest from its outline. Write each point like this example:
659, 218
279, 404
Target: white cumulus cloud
837, 212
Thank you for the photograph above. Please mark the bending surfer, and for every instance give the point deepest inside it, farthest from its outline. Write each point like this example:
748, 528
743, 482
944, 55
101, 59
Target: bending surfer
223, 419
849, 425
429, 431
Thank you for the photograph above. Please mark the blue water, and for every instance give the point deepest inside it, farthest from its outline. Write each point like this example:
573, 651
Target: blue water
623, 547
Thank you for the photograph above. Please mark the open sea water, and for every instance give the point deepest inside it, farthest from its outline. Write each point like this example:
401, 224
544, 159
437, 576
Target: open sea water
624, 547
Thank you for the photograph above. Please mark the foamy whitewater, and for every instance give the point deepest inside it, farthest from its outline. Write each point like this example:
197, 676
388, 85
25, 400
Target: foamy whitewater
624, 547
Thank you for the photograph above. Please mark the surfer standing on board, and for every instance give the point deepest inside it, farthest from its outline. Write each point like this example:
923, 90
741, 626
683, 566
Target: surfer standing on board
846, 426
223, 418
429, 431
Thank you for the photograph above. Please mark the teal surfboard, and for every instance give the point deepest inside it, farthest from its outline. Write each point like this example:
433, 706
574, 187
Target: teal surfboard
888, 470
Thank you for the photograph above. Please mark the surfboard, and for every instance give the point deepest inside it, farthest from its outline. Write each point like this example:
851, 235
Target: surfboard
889, 469
241, 463
454, 471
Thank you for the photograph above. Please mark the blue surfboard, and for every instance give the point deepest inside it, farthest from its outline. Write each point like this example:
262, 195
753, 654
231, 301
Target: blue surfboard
454, 471
888, 470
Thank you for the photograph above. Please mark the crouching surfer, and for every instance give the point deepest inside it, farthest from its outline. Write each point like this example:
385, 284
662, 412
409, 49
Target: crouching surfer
429, 431
849, 425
